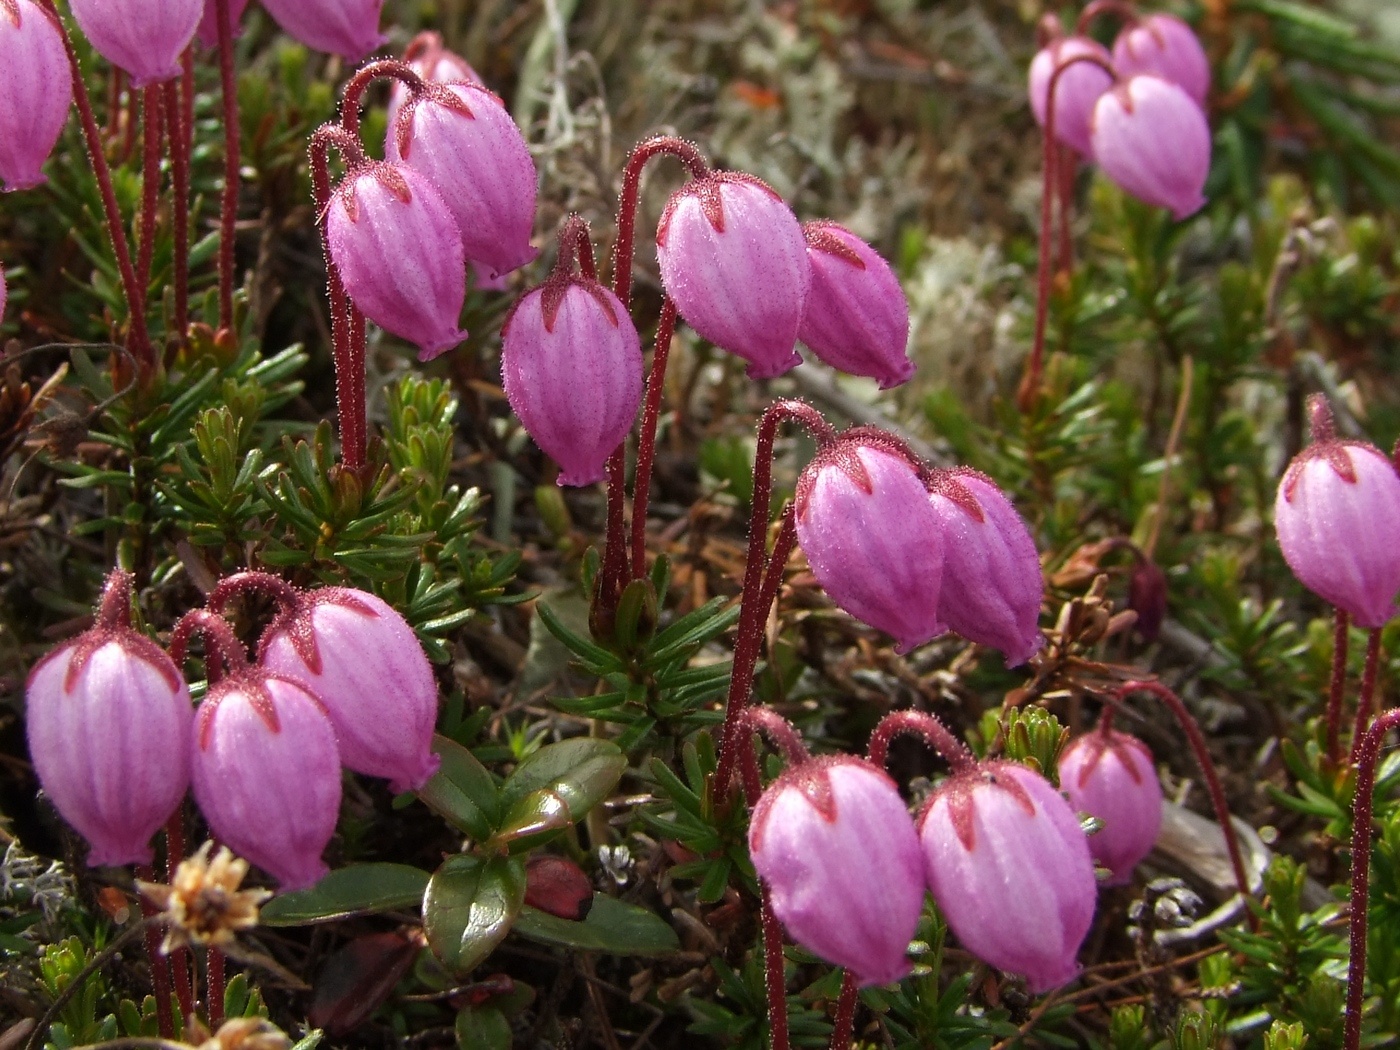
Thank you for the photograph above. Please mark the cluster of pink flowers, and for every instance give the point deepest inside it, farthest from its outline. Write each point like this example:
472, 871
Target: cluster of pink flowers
1137, 112
340, 680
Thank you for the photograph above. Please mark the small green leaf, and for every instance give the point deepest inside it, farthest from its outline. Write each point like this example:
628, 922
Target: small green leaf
482, 1028
462, 792
358, 889
612, 926
470, 906
581, 771
536, 818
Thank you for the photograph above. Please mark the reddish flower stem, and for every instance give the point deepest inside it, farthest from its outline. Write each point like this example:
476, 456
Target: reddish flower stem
215, 995
1068, 163
921, 724
139, 340
228, 208
114, 607
129, 129
1365, 756
180, 958
774, 967
150, 187
1338, 684
180, 216
689, 155
845, 1014
287, 597
160, 965
646, 441
353, 96
1217, 792
1126, 11
778, 731
1365, 699
221, 645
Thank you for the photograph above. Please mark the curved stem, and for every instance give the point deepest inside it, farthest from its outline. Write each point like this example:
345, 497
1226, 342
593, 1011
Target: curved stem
845, 1014
114, 609
228, 208
1364, 699
1202, 752
1124, 10
646, 441
219, 640
1337, 689
576, 248
689, 155
778, 731
1365, 757
355, 88
287, 597
921, 724
150, 186
74, 986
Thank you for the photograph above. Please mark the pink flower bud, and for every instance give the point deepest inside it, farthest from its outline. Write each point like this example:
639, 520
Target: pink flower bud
400, 255
108, 716
836, 847
208, 31
461, 138
1010, 869
1164, 45
355, 652
865, 522
734, 261
1078, 88
267, 774
36, 91
1336, 515
1110, 776
571, 362
857, 318
1153, 141
349, 28
427, 57
992, 584
143, 37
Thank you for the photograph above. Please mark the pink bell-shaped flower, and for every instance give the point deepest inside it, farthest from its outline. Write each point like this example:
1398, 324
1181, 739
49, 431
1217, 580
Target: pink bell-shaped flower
36, 92
1077, 90
1109, 775
1336, 515
108, 716
208, 31
734, 261
460, 137
1010, 869
400, 254
836, 847
857, 318
992, 584
349, 28
1152, 140
865, 522
1165, 46
143, 37
267, 773
571, 362
427, 57
355, 652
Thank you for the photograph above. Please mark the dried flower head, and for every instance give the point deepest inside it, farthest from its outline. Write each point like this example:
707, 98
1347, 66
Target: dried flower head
238, 1033
203, 904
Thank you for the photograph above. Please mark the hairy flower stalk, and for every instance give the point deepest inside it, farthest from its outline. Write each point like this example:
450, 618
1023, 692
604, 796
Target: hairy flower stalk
228, 200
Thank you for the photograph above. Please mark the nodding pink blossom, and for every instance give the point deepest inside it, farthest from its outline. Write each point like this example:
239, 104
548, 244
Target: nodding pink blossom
1164, 45
460, 137
876, 546
1153, 141
571, 362
427, 57
108, 717
208, 32
1336, 515
349, 28
400, 256
1110, 775
1010, 869
1077, 90
354, 651
734, 261
266, 773
857, 318
143, 37
834, 843
36, 92
992, 584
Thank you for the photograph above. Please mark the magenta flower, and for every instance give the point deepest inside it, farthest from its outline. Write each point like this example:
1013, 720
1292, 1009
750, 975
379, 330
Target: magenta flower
857, 318
36, 92
865, 522
734, 260
1077, 90
571, 362
461, 138
208, 31
1110, 775
1165, 46
1336, 514
427, 57
836, 847
349, 28
992, 584
1152, 140
267, 773
400, 255
143, 37
1010, 869
107, 716
356, 653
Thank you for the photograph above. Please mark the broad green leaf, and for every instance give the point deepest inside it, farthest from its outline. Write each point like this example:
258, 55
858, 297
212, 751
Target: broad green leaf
470, 906
355, 890
612, 926
532, 821
482, 1028
581, 771
462, 792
